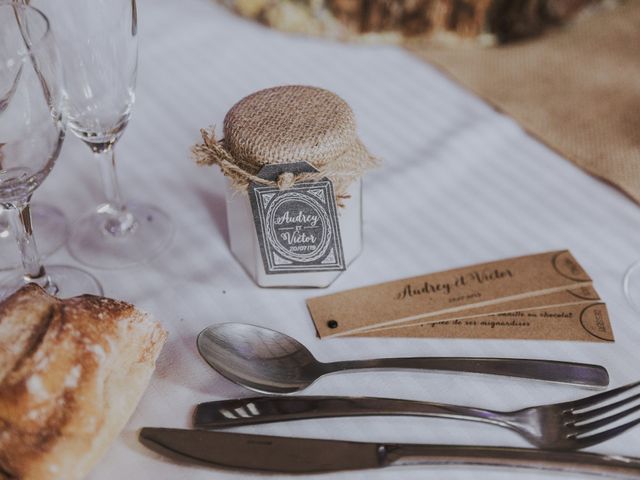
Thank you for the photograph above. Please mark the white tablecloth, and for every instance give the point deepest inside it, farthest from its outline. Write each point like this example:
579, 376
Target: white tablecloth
460, 184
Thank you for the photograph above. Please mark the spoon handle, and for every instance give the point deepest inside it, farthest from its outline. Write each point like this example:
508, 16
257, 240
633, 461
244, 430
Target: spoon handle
549, 370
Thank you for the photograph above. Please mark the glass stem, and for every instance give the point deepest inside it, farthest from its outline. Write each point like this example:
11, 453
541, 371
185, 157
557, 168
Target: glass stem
34, 272
120, 221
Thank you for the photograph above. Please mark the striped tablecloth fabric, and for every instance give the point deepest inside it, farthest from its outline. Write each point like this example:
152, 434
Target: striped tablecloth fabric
460, 184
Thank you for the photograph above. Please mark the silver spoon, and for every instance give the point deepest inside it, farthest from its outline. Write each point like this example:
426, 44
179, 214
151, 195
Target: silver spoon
267, 361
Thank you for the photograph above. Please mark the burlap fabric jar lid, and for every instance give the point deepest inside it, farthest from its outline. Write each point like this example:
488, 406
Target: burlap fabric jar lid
288, 124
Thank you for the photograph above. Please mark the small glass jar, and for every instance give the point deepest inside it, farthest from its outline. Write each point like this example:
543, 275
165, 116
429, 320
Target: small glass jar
303, 136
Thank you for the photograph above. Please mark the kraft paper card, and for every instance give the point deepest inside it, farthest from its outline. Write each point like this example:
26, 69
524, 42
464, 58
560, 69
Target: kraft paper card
586, 321
453, 291
580, 295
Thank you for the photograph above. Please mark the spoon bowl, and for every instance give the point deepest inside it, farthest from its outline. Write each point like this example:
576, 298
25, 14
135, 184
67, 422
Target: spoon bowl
258, 358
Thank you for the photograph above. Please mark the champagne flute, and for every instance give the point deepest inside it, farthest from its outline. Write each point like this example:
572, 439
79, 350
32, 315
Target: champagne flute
31, 135
100, 44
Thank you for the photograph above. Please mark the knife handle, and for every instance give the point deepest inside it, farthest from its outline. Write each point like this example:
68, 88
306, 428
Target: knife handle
569, 461
549, 370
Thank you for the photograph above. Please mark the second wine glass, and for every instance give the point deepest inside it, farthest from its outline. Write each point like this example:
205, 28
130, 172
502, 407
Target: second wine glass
99, 42
31, 135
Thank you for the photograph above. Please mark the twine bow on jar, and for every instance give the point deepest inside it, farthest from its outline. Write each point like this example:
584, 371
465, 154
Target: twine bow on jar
288, 125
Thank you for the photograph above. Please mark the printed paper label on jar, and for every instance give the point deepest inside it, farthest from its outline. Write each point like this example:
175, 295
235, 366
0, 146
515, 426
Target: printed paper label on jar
297, 227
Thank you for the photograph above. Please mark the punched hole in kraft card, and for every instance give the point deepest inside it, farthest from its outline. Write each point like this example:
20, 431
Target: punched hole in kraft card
296, 221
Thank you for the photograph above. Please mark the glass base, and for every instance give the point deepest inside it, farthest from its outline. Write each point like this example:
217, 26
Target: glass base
50, 227
631, 286
92, 244
66, 282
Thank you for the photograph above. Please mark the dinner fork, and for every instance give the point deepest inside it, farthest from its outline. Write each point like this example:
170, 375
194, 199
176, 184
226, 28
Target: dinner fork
560, 426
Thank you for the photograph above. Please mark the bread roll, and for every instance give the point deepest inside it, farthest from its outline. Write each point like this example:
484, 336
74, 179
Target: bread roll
71, 374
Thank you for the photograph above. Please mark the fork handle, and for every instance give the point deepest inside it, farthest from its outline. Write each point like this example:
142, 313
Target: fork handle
569, 461
250, 411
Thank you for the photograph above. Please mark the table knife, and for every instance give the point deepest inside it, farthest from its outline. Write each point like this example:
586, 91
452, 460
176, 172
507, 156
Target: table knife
306, 456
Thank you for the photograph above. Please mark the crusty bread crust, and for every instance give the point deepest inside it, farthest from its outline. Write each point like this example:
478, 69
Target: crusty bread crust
71, 374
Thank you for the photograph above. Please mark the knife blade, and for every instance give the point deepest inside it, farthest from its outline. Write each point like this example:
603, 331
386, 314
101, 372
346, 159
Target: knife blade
259, 452
305, 455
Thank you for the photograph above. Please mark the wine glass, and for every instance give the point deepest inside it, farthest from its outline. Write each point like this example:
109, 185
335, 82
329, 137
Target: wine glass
31, 135
48, 220
100, 44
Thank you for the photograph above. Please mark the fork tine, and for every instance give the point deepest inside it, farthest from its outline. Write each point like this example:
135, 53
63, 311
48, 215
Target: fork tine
588, 427
599, 397
584, 442
596, 412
